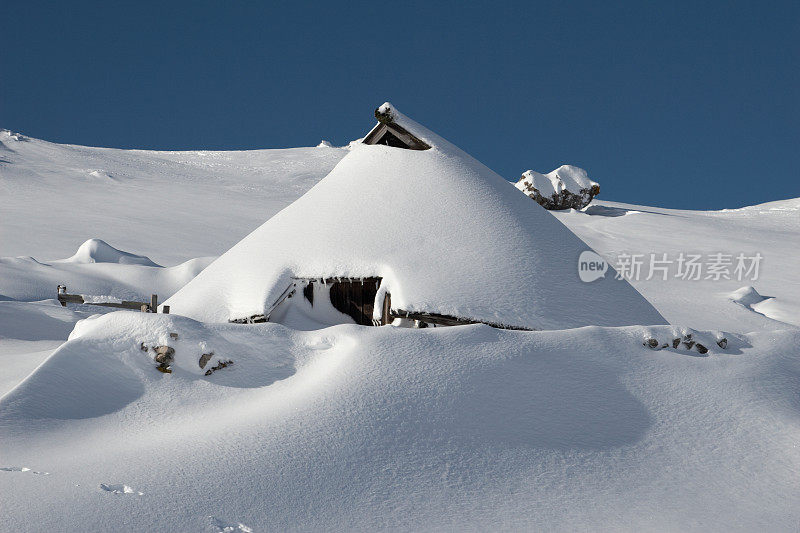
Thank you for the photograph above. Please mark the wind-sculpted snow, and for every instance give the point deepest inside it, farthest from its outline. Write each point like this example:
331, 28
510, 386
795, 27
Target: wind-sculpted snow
350, 427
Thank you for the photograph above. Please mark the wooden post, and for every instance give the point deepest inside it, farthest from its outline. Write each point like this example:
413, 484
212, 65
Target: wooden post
387, 309
154, 303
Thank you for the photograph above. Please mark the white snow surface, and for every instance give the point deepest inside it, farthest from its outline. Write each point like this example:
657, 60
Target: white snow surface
172, 206
565, 177
446, 234
771, 229
359, 428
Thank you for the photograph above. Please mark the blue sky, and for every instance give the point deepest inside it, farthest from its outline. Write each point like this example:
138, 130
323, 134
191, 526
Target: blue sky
684, 104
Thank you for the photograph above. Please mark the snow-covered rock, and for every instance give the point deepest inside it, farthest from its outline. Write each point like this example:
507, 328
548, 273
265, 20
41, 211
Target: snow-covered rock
445, 233
11, 136
567, 187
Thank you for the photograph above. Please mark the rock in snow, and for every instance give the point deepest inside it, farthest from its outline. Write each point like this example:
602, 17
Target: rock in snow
566, 187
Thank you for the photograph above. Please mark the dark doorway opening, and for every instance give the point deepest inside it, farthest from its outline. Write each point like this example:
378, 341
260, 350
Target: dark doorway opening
353, 297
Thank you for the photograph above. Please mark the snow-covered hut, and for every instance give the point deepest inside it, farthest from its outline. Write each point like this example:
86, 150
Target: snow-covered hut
408, 225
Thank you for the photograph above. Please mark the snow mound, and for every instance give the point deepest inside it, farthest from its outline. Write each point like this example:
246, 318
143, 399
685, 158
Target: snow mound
445, 233
99, 251
109, 362
101, 174
567, 187
747, 296
778, 309
387, 428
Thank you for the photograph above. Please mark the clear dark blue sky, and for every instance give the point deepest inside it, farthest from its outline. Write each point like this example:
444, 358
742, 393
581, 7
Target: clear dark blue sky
690, 104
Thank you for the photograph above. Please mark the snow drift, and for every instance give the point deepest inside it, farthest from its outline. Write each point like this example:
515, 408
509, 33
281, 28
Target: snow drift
446, 234
353, 428
99, 251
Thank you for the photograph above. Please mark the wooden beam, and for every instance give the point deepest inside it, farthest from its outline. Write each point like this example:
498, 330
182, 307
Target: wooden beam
65, 298
448, 320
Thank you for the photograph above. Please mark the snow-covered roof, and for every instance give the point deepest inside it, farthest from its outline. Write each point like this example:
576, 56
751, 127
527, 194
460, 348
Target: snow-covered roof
446, 234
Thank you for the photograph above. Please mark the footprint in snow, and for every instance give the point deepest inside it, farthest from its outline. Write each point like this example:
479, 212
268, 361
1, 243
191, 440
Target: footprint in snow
216, 525
119, 488
320, 344
22, 469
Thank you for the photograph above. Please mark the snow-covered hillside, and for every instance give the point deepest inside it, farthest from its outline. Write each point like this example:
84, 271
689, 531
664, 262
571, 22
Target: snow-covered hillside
771, 230
171, 206
372, 428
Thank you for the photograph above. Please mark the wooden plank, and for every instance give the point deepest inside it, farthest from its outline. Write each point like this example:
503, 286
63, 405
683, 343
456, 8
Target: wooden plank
375, 134
70, 298
447, 320
255, 319
411, 140
65, 298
